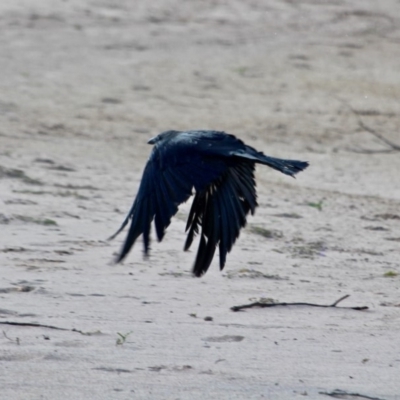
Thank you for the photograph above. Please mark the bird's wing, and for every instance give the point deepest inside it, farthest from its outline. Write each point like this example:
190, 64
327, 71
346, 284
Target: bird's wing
158, 198
168, 180
221, 212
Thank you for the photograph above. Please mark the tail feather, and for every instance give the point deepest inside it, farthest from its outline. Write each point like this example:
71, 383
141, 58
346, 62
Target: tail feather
287, 167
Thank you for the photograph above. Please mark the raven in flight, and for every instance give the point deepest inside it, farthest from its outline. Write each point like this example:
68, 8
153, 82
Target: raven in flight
220, 168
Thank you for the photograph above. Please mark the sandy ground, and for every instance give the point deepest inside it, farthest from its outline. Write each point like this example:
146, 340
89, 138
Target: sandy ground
84, 84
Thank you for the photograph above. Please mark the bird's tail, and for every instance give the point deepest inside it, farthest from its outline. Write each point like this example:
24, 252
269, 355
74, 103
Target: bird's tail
288, 167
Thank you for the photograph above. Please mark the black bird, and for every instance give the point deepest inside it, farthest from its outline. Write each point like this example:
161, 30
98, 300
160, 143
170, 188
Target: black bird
220, 168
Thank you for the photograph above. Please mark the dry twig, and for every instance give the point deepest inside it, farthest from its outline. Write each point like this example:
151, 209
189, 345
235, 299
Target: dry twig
341, 394
263, 305
34, 325
392, 146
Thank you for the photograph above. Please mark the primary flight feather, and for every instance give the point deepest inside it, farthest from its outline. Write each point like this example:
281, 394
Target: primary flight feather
220, 168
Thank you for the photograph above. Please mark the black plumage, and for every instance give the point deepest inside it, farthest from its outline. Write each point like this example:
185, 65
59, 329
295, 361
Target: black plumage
220, 168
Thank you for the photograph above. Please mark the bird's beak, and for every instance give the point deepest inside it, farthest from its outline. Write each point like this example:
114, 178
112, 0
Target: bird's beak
152, 140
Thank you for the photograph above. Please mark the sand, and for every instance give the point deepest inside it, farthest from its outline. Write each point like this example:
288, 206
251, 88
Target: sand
83, 86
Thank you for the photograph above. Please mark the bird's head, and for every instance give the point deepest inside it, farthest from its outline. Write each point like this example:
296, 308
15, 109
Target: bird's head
162, 137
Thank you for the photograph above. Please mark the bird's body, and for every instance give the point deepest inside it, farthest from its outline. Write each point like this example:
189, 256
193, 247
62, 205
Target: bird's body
220, 168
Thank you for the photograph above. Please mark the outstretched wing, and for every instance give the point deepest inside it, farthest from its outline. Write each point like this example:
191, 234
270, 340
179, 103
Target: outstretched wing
159, 196
221, 212
168, 180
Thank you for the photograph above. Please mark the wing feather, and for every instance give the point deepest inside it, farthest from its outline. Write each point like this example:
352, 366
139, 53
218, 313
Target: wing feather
168, 180
222, 214
158, 198
194, 219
